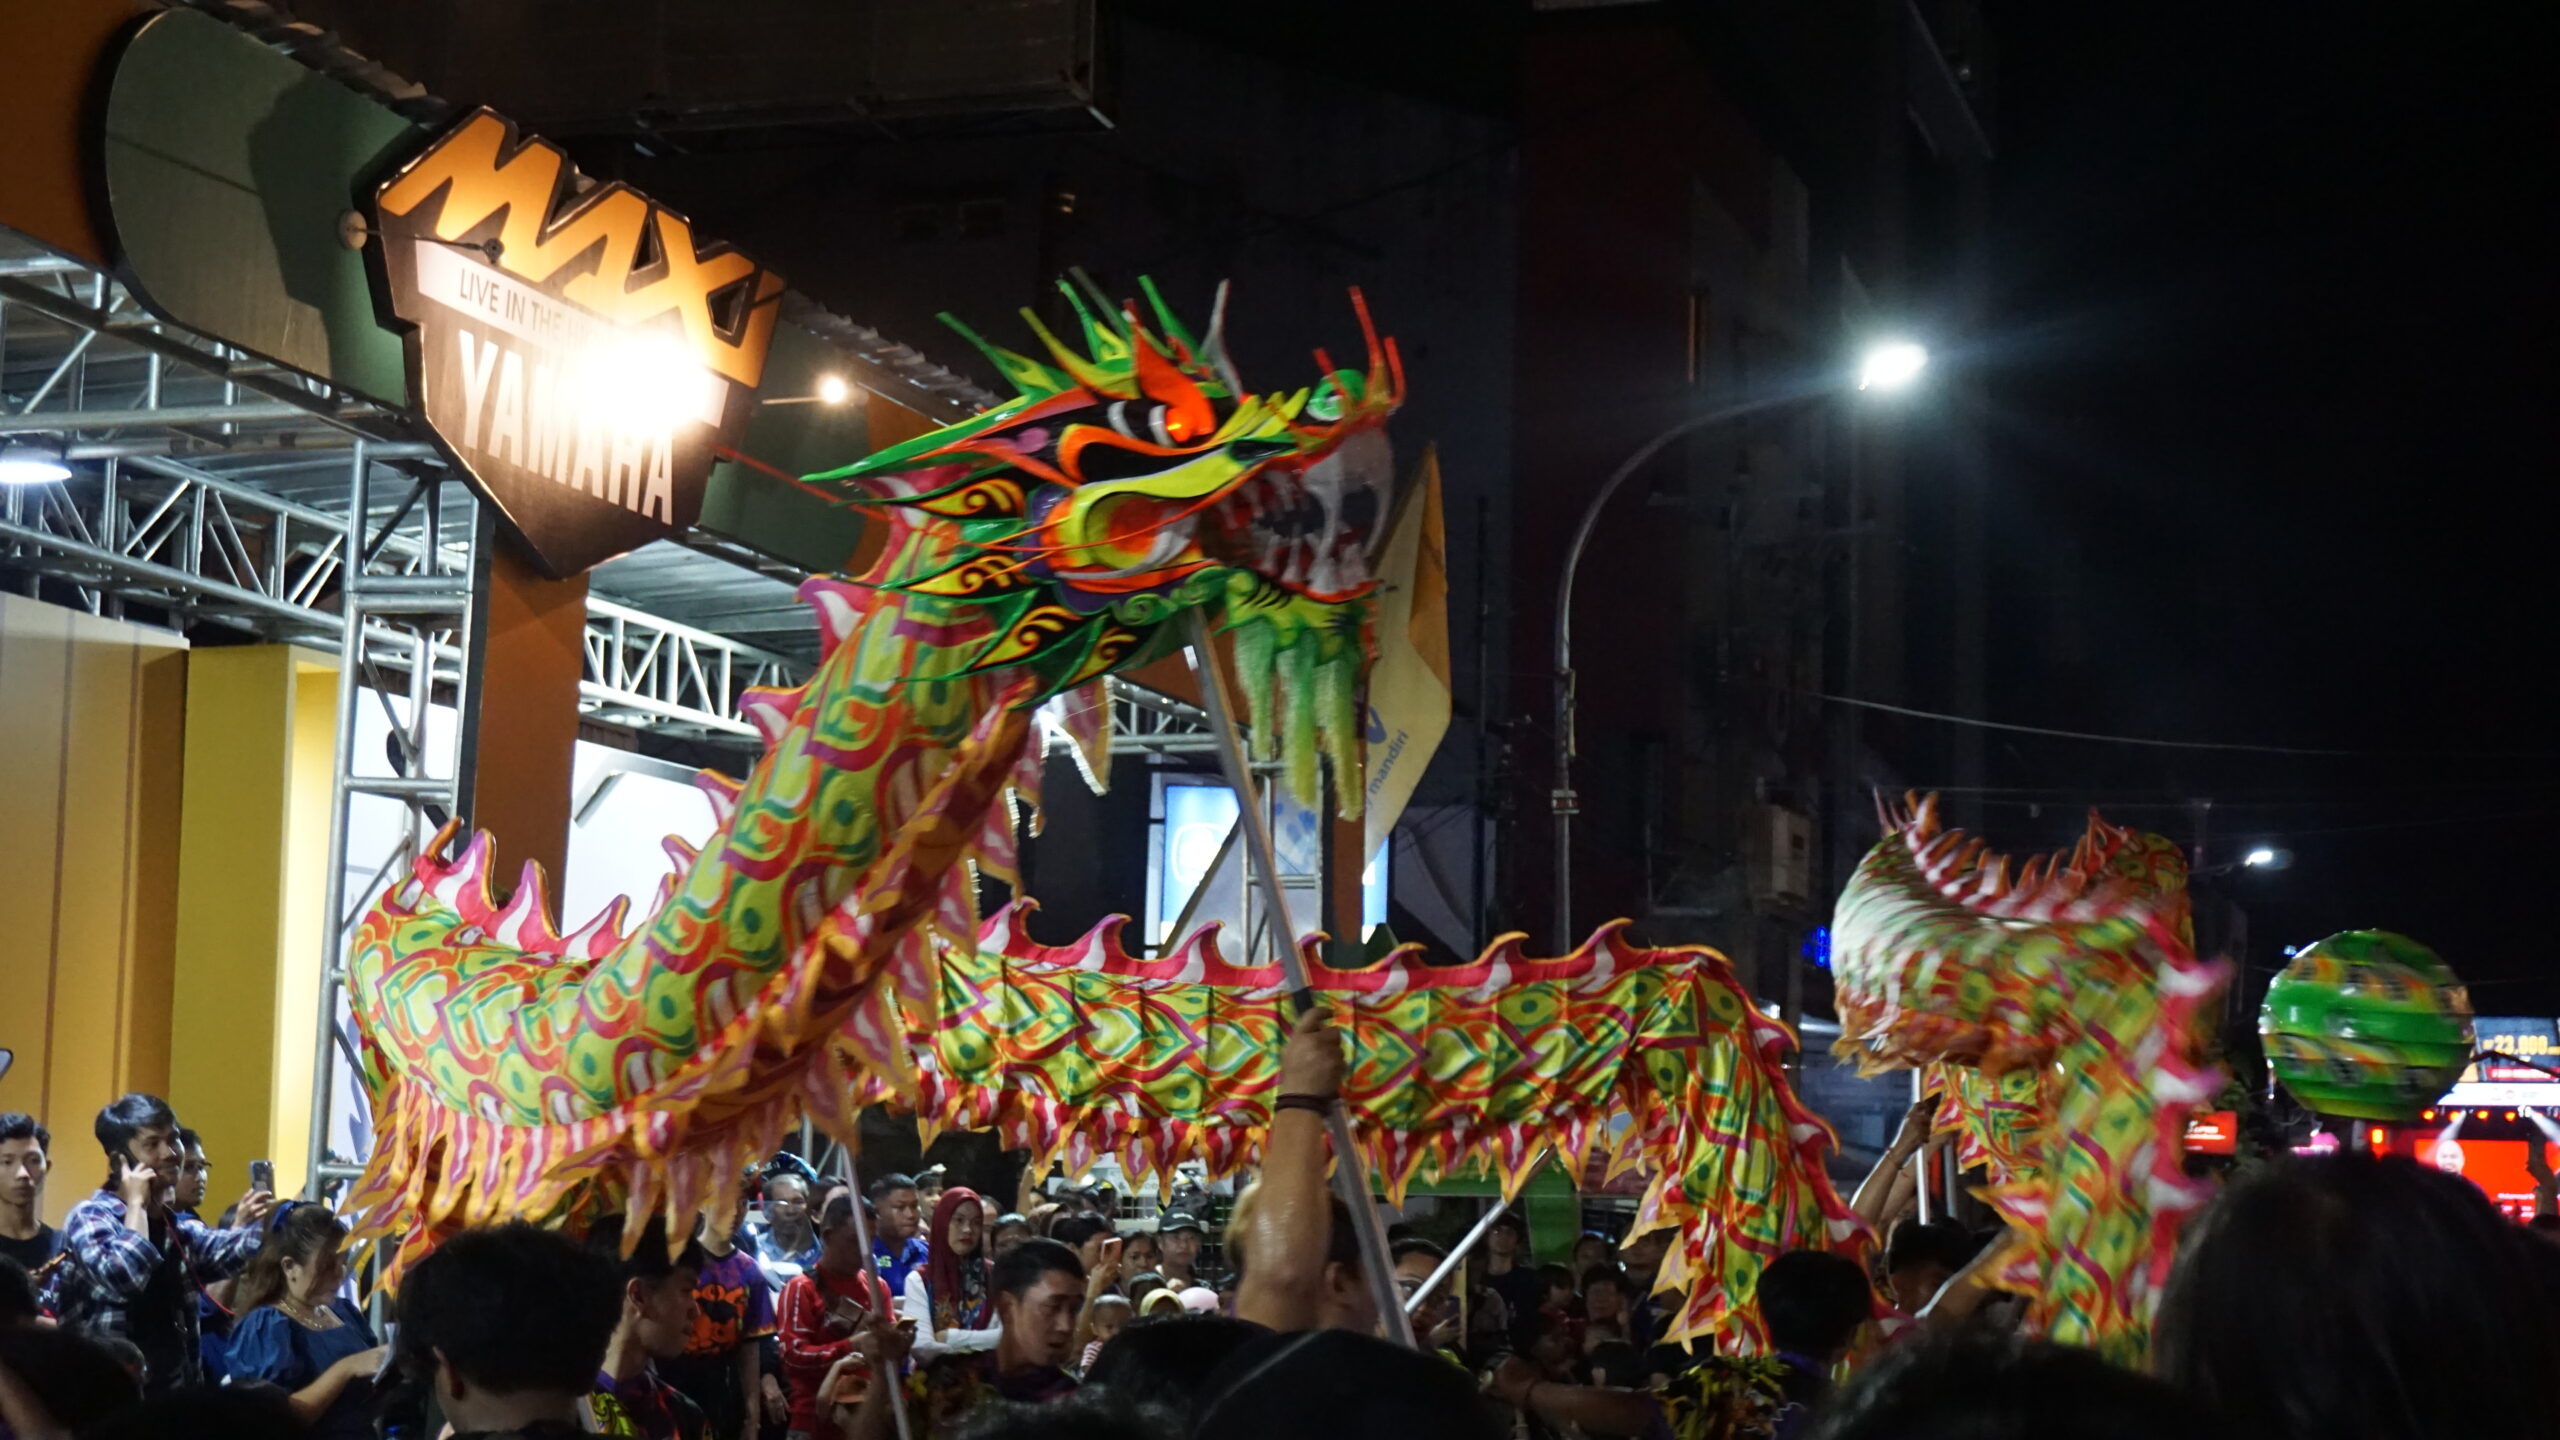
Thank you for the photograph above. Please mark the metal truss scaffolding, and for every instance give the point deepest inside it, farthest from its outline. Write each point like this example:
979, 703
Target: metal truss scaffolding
210, 488
405, 624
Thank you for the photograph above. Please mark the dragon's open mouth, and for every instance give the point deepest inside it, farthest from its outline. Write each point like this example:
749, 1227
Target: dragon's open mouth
1313, 531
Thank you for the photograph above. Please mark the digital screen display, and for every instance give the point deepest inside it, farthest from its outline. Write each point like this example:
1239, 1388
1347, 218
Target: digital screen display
1197, 819
2526, 1079
2496, 1166
2213, 1132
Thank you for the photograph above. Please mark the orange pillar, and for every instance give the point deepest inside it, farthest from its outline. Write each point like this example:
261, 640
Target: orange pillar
531, 630
1344, 841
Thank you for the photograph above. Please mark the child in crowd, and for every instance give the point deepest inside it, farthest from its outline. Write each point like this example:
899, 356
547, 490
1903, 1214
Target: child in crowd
1161, 1300
1010, 1230
1110, 1316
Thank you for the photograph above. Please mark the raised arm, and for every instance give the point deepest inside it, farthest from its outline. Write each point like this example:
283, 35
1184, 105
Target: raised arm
221, 1254
1594, 1409
1106, 1274
111, 1242
1875, 1200
1292, 1222
1968, 1288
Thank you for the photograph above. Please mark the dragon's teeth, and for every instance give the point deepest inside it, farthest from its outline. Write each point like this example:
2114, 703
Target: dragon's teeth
1296, 574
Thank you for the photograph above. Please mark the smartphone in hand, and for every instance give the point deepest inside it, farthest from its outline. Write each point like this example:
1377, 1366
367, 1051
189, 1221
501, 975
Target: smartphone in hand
262, 1175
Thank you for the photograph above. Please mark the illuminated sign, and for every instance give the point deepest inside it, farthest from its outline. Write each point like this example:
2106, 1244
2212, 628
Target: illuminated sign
2213, 1132
578, 352
2496, 1166
2528, 1040
2508, 1083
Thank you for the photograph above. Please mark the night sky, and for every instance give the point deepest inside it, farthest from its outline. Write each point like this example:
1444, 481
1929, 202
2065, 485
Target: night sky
2273, 382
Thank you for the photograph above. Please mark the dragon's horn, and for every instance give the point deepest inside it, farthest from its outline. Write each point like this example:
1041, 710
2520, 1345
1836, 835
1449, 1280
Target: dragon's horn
1369, 337
1213, 349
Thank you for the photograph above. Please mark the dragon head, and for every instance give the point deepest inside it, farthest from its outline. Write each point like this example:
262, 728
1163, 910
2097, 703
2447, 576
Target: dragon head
1138, 480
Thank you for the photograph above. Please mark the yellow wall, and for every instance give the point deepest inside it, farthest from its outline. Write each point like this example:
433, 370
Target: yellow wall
91, 713
252, 865
306, 905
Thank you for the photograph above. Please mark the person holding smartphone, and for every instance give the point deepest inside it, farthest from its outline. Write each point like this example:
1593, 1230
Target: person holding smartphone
130, 1265
299, 1334
823, 1309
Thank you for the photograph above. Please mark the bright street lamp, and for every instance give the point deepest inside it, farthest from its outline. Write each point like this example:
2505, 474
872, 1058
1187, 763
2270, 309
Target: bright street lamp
2264, 857
1884, 367
1891, 365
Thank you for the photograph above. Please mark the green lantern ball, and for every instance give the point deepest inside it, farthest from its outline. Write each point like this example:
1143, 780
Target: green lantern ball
2367, 1025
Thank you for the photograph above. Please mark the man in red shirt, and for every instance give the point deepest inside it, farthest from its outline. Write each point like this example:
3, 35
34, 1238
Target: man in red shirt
822, 1309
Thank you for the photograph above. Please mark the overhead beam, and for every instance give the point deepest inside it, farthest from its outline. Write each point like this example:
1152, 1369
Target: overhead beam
65, 422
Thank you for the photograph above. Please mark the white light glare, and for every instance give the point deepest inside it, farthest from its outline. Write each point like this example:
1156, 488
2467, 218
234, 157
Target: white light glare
2260, 857
647, 382
31, 465
1891, 365
833, 390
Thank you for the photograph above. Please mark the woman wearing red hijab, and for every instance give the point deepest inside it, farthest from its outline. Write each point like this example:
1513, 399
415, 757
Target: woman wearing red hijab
949, 1297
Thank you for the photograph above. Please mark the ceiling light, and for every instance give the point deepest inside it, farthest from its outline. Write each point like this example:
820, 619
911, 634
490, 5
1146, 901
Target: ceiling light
25, 464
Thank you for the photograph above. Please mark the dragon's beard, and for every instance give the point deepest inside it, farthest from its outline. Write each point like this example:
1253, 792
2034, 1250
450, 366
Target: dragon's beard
1300, 665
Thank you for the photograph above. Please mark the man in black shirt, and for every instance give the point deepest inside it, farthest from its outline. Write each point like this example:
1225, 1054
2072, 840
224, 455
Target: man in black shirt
24, 1158
1511, 1271
507, 1328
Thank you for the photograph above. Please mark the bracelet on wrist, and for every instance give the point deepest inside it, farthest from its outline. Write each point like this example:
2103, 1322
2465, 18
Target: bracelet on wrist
1312, 1104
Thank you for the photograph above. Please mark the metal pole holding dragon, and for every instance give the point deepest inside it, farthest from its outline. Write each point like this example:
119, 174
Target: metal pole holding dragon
1350, 1176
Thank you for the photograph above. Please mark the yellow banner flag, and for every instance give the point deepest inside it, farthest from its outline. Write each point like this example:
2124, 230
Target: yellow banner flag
1409, 686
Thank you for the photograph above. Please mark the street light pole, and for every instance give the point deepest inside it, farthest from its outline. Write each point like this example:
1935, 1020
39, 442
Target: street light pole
1562, 798
1886, 366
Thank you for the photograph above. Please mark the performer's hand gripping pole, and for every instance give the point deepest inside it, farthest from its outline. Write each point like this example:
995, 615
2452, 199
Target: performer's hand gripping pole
1350, 1176
862, 1236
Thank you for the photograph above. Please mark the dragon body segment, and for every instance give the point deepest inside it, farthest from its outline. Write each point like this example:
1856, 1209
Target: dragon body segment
1652, 1058
2063, 1015
512, 1070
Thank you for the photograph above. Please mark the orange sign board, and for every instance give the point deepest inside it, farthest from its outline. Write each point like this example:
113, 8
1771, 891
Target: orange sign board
581, 354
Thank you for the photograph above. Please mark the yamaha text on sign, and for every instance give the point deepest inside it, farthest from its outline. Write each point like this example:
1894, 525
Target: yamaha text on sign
574, 347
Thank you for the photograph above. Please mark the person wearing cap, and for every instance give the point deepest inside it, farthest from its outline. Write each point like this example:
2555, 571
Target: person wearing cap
1161, 1300
1178, 1248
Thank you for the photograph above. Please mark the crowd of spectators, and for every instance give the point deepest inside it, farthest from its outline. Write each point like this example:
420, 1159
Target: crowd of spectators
2318, 1297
